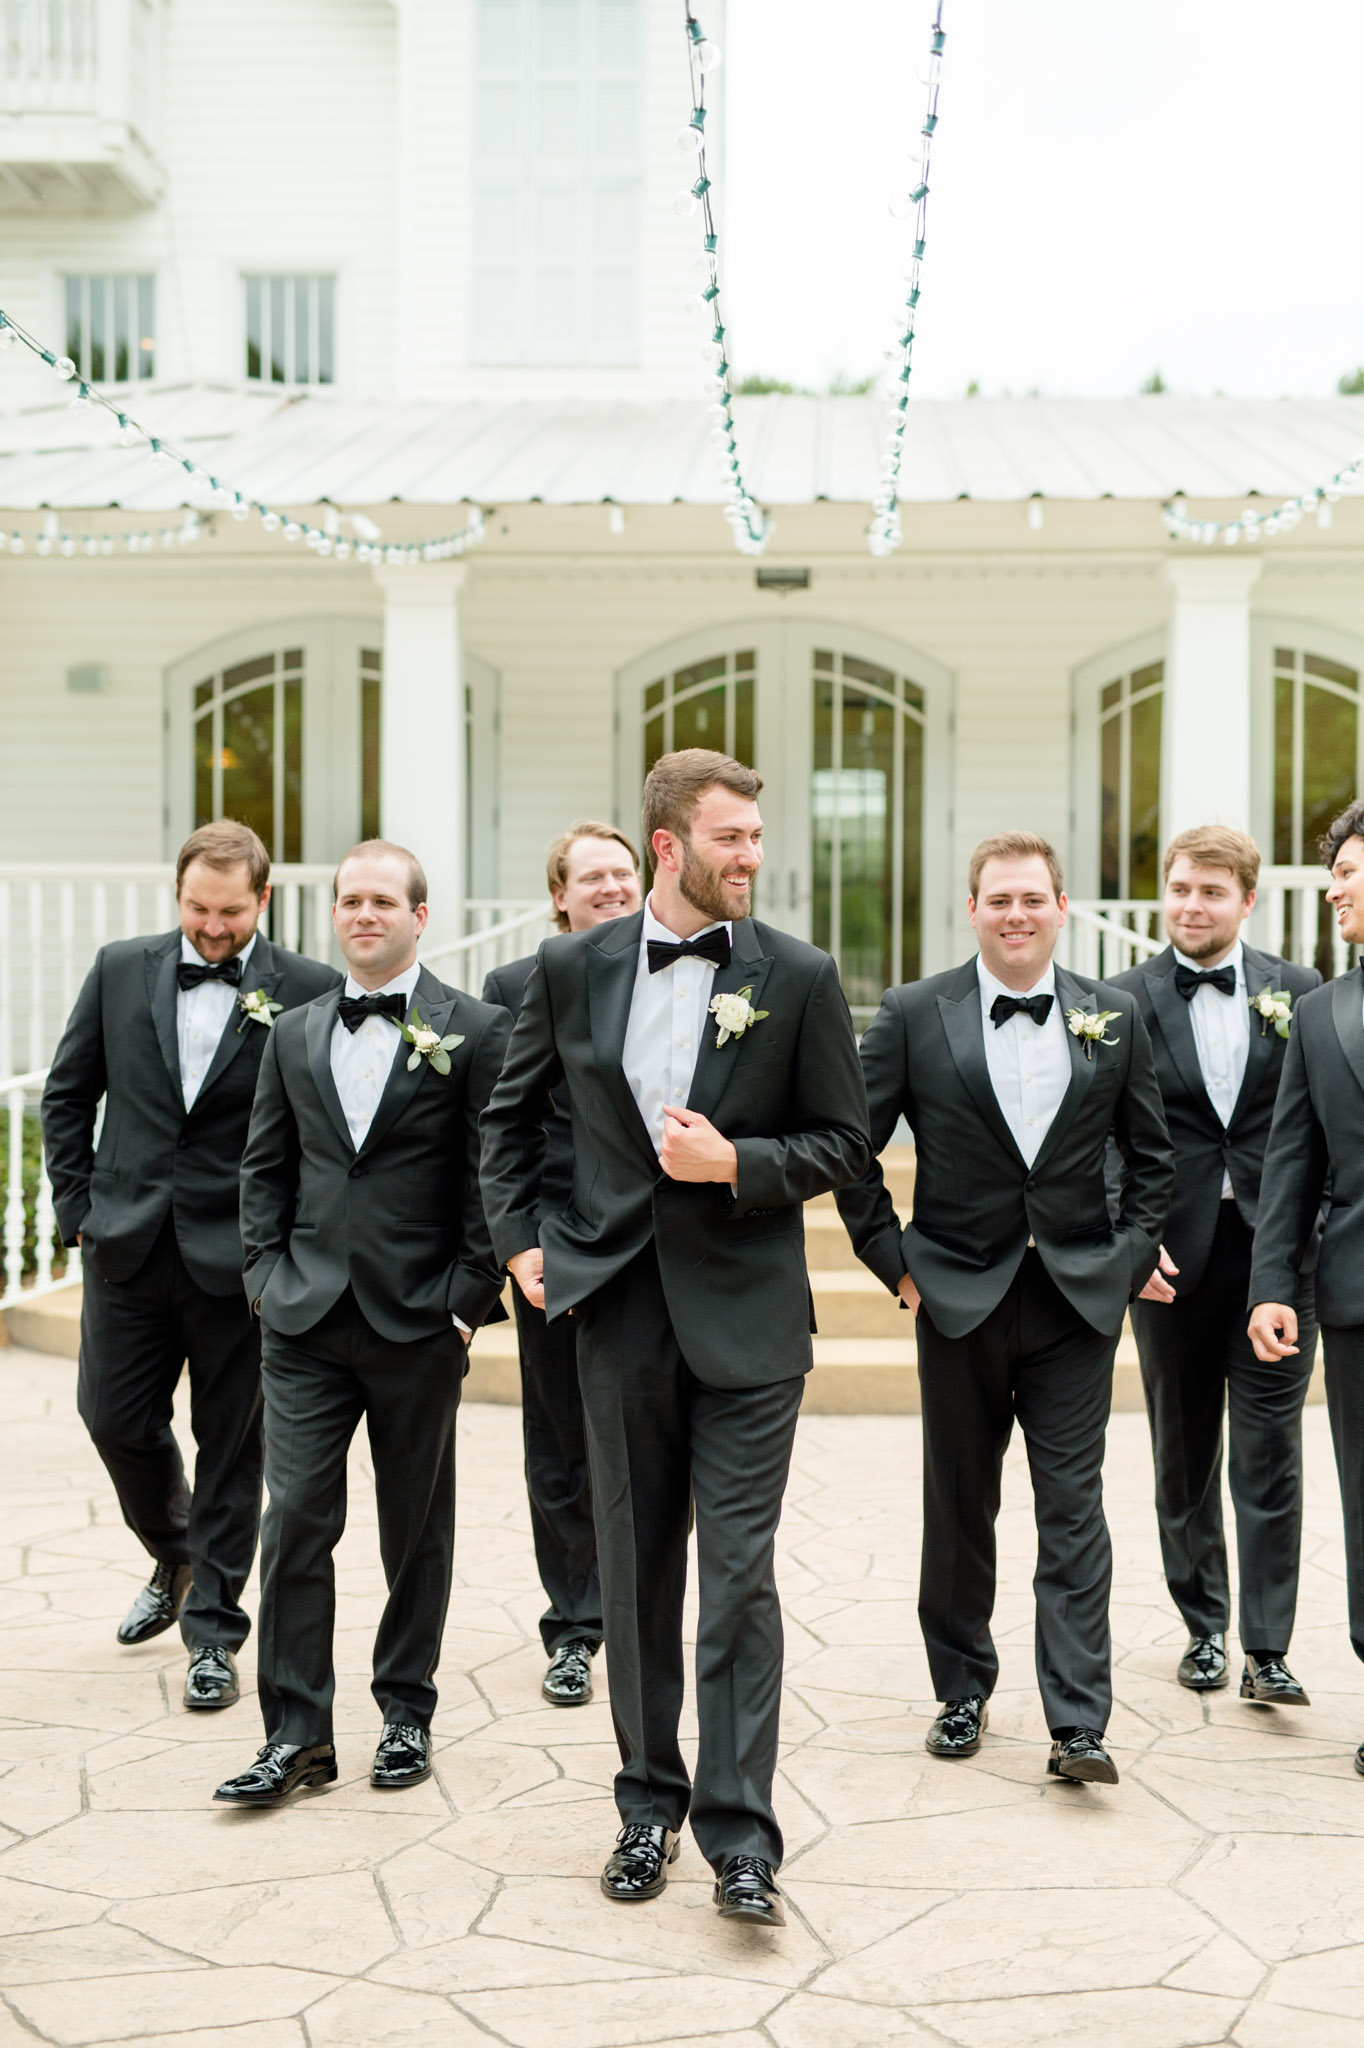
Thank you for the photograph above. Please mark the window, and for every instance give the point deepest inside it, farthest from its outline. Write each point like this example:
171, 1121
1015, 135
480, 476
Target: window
1317, 768
558, 178
111, 327
291, 330
707, 705
1129, 784
248, 749
371, 712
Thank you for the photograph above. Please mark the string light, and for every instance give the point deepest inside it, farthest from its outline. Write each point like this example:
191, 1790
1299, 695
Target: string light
239, 505
1251, 526
750, 525
884, 534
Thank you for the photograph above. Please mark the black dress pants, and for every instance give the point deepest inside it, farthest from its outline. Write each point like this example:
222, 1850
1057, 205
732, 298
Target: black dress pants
1343, 1353
656, 1434
557, 1480
318, 1387
136, 1336
1036, 1358
1196, 1362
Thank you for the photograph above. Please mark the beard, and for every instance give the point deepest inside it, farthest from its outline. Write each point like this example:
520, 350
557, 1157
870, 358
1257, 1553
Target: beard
225, 948
1203, 948
703, 889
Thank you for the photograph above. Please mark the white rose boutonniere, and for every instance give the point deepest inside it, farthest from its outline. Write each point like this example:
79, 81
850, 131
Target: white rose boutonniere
733, 1014
257, 1008
1089, 1026
1273, 1006
429, 1045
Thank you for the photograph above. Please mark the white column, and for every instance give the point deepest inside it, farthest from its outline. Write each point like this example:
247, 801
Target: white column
1205, 749
421, 770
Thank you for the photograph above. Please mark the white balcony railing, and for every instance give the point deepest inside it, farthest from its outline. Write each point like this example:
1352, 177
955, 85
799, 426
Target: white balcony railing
49, 56
80, 104
1291, 918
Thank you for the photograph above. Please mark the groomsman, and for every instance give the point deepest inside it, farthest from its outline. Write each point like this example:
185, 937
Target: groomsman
1218, 1063
593, 874
368, 1262
1314, 1165
713, 1089
1013, 1074
170, 1031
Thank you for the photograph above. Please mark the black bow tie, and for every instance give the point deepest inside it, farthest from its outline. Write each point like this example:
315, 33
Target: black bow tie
191, 972
712, 945
353, 1010
1188, 980
1037, 1007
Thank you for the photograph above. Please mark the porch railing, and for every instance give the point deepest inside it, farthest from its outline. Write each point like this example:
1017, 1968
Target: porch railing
1291, 918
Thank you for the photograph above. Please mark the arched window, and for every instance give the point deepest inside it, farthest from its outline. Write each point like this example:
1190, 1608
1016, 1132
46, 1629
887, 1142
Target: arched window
1129, 783
709, 704
1317, 764
248, 749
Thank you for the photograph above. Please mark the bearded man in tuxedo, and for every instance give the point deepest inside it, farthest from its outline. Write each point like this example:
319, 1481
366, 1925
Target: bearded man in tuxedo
170, 1031
593, 876
368, 1262
713, 1089
1313, 1189
1219, 1062
1013, 1074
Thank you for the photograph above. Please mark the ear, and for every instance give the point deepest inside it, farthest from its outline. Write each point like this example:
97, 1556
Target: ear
420, 915
265, 895
667, 850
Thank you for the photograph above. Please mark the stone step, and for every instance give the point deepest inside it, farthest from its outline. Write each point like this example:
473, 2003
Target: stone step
897, 1165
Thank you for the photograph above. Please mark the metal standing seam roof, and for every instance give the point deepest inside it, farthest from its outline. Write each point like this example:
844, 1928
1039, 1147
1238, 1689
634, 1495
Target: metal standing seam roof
304, 449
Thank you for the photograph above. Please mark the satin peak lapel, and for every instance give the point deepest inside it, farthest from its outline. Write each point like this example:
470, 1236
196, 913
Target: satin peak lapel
239, 1024
317, 1037
1070, 996
436, 1008
611, 965
1176, 1028
748, 968
1263, 1044
1347, 1009
163, 991
961, 1021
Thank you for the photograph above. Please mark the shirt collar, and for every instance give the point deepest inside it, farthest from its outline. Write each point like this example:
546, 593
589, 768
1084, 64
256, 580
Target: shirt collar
402, 984
1236, 959
990, 986
652, 929
194, 958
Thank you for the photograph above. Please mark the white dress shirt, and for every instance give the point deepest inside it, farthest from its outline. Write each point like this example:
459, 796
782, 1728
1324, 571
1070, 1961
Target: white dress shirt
668, 1013
202, 1015
1029, 1063
1221, 1029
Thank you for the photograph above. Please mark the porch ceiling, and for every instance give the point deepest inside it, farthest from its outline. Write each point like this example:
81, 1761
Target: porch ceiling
315, 448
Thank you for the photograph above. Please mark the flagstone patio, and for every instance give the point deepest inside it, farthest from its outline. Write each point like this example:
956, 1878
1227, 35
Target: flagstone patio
1216, 1895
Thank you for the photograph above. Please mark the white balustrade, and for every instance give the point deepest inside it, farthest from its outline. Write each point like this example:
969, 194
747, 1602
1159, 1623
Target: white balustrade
1290, 918
49, 56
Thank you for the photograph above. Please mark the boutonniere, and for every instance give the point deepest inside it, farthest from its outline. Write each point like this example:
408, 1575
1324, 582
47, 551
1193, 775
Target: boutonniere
257, 1008
1089, 1027
1273, 1006
733, 1014
429, 1045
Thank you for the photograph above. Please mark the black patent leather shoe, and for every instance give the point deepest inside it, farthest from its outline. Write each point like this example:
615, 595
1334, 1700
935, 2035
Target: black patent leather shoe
958, 1728
280, 1768
1359, 1759
637, 1867
211, 1680
746, 1889
568, 1681
1081, 1757
157, 1606
1203, 1667
402, 1758
1271, 1684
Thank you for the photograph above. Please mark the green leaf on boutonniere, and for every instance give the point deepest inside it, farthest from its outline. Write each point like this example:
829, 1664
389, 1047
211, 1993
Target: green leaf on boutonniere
1273, 1006
429, 1045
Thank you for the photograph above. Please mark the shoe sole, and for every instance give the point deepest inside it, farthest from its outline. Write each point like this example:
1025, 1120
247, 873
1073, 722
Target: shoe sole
1084, 1771
401, 1784
316, 1781
1204, 1684
1256, 1699
209, 1706
754, 1917
584, 1701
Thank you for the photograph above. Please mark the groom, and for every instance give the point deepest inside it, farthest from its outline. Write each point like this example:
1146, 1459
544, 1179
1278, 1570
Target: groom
713, 1086
1013, 1074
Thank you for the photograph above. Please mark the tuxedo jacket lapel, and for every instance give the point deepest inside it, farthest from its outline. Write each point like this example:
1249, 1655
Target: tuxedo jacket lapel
611, 965
1070, 996
1261, 1049
1347, 1009
317, 1035
261, 972
1176, 1027
961, 1020
435, 1008
163, 990
748, 968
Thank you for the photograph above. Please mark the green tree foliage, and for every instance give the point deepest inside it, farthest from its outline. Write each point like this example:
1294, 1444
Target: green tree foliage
1351, 385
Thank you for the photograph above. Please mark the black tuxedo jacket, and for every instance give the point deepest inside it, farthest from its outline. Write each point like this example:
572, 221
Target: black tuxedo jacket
154, 1156
1316, 1150
976, 1202
506, 986
400, 1220
788, 1094
1204, 1150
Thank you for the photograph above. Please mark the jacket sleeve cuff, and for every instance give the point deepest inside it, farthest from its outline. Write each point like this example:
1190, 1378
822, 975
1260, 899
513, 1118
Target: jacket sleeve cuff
757, 1185
256, 1278
516, 1234
471, 1296
884, 1255
1281, 1286
71, 1213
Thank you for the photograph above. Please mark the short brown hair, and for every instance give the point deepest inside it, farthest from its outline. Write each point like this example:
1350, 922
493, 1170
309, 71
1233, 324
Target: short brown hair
1349, 825
1216, 846
556, 860
416, 873
223, 845
677, 782
1016, 846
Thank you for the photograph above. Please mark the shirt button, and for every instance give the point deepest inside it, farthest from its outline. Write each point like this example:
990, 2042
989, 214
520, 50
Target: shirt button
1031, 1121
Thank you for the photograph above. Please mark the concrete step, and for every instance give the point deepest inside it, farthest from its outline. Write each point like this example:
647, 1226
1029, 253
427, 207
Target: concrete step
52, 1323
897, 1164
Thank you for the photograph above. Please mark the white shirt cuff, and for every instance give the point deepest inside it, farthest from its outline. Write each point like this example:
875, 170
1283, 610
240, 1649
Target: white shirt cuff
465, 1332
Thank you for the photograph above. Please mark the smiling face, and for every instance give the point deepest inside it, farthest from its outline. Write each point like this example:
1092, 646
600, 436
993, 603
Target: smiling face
1017, 915
376, 927
1204, 908
1346, 893
707, 875
219, 909
601, 882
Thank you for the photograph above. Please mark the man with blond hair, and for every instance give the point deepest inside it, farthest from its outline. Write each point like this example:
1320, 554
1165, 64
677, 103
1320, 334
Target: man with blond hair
170, 1031
593, 876
1014, 1074
1218, 1061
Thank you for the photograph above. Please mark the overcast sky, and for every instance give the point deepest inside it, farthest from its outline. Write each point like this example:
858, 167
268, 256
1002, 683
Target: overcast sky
1117, 185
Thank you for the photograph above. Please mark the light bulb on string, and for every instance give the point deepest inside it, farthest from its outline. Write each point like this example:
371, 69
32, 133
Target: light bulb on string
241, 509
709, 56
271, 522
82, 404
686, 205
8, 338
64, 368
691, 141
